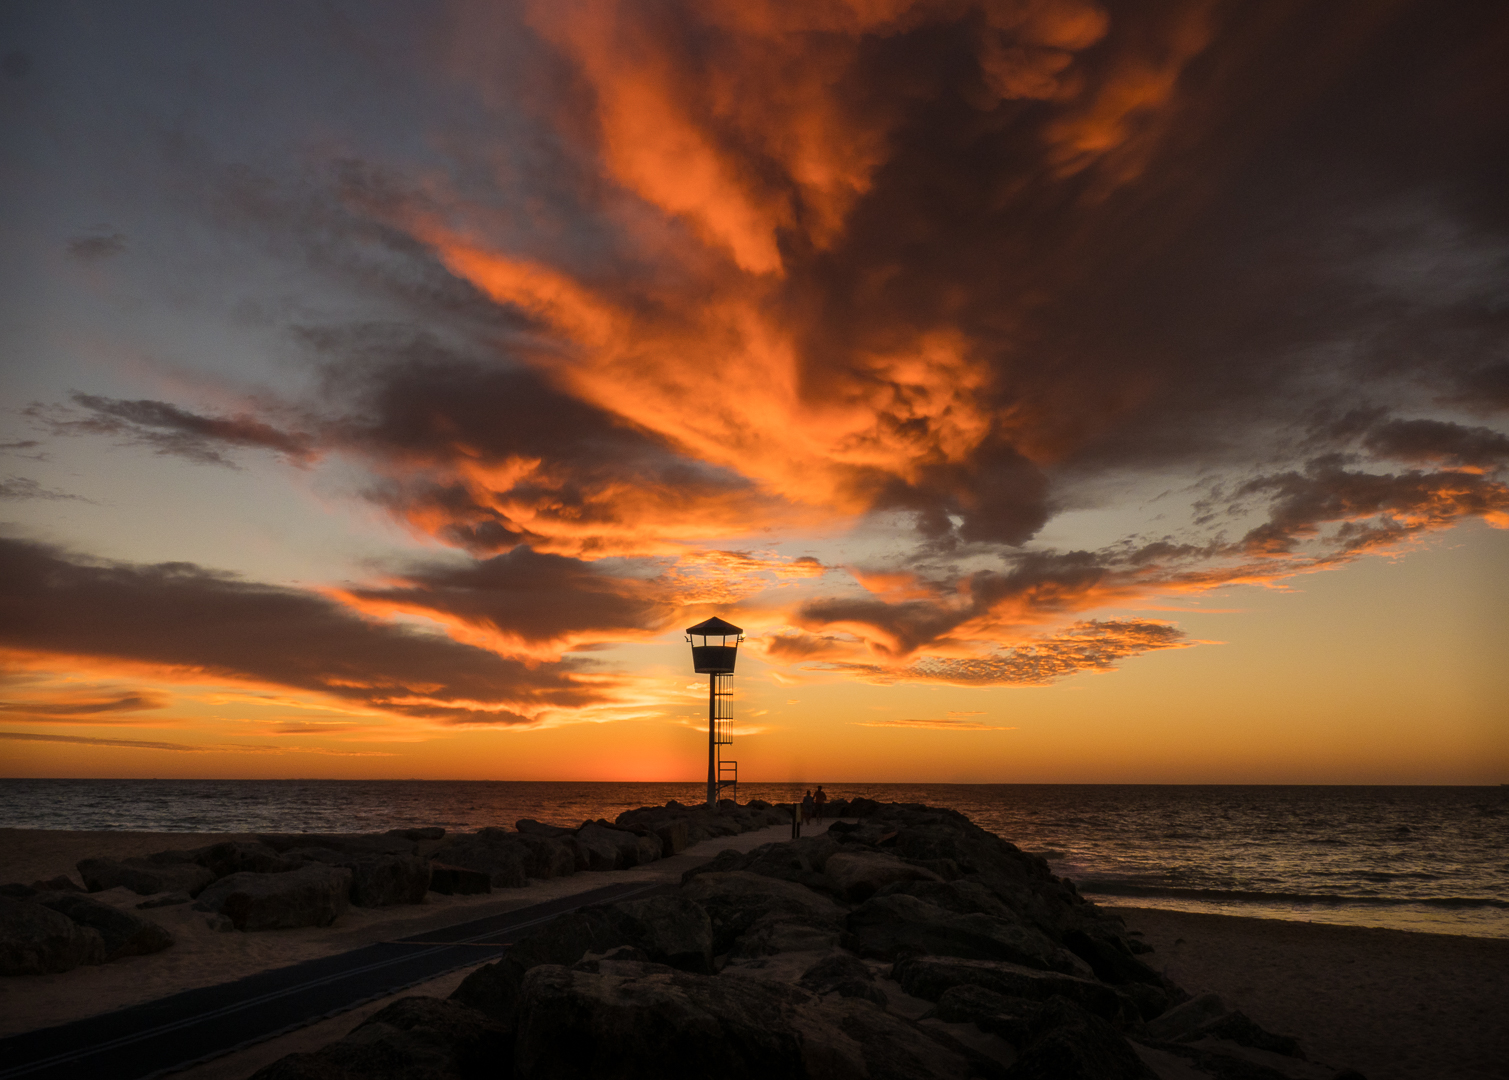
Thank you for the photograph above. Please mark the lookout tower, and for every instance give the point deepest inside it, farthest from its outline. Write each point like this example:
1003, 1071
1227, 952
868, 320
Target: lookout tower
713, 655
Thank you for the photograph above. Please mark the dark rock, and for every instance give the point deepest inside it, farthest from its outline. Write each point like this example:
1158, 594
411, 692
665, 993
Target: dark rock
415, 1038
427, 832
17, 891
531, 827
313, 895
1111, 961
458, 880
675, 837
667, 930
1182, 1020
600, 847
172, 899
328, 856
143, 877
61, 883
928, 977
576, 1024
799, 861
35, 940
887, 927
1067, 1043
995, 1014
124, 934
861, 807
846, 975
858, 875
1237, 1027
240, 857
383, 880
962, 897
351, 843
499, 854
739, 902
549, 857
632, 848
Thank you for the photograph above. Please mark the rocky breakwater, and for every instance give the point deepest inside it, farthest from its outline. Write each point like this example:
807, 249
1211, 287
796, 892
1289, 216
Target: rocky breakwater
910, 945
285, 881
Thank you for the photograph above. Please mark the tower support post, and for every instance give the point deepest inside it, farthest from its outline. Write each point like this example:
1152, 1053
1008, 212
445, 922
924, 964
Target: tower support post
712, 743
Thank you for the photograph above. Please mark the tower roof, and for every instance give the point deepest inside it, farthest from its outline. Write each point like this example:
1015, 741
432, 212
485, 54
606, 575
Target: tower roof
714, 627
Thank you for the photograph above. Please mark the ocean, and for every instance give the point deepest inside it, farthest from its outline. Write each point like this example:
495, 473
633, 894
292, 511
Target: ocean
1414, 858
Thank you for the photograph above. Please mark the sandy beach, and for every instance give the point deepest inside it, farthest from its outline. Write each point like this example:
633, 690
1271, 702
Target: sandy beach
1393, 1004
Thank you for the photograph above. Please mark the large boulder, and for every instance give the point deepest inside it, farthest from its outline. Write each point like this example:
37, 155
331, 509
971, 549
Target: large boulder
144, 877
35, 940
549, 856
801, 861
664, 929
458, 880
674, 836
888, 927
658, 1023
740, 902
600, 847
498, 853
995, 1014
928, 977
232, 857
859, 875
313, 895
843, 974
634, 849
383, 880
531, 827
124, 933
1067, 1043
415, 1038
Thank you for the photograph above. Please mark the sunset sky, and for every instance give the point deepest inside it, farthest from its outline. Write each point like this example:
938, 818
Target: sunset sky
1055, 391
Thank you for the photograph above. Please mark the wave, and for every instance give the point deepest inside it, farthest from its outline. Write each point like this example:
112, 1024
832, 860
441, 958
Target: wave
1121, 888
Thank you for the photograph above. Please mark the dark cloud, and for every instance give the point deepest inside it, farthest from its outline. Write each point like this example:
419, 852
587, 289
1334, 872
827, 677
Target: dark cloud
529, 597
21, 487
95, 248
172, 430
1094, 645
1439, 442
85, 709
179, 616
1372, 509
188, 748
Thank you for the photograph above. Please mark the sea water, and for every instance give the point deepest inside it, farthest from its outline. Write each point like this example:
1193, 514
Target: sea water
1416, 858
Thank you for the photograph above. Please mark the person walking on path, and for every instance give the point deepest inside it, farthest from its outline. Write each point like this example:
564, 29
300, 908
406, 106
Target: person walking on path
818, 800
808, 805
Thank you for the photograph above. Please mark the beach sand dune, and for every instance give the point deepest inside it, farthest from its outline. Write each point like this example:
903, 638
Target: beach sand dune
1393, 1004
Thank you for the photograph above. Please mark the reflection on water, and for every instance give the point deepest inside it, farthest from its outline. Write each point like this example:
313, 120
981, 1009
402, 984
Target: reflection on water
1410, 857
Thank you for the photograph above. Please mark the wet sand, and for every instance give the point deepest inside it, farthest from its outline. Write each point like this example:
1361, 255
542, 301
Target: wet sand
1392, 1004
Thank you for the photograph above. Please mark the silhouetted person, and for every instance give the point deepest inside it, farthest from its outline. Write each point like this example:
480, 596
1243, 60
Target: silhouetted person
818, 800
808, 806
